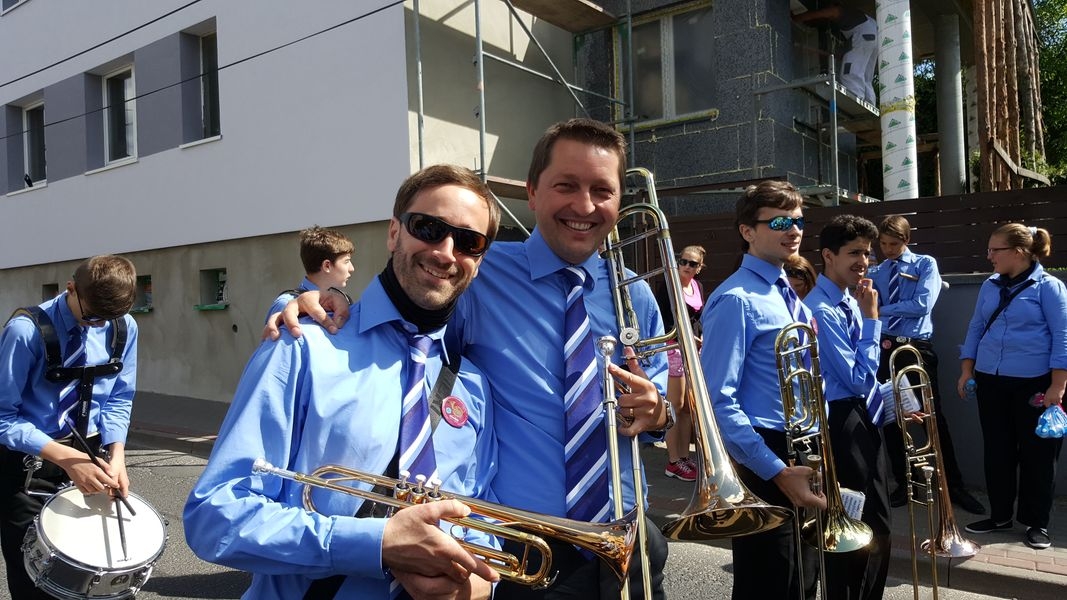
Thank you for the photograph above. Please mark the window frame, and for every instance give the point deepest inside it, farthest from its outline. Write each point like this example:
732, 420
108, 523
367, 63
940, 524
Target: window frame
27, 155
665, 18
209, 90
130, 105
10, 7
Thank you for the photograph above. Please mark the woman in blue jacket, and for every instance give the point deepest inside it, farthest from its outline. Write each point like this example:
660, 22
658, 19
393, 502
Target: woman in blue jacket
1016, 349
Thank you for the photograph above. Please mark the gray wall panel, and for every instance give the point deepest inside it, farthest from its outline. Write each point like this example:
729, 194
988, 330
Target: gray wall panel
159, 101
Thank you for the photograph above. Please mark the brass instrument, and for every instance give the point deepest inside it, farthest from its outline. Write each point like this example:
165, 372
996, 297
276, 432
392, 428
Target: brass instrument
721, 506
808, 442
947, 542
612, 542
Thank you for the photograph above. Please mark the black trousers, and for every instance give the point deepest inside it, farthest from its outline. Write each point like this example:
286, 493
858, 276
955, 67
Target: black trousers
1018, 464
766, 564
583, 577
17, 511
893, 439
860, 461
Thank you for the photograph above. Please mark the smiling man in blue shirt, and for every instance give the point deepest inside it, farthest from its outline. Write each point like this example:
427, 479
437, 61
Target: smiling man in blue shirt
342, 399
85, 318
848, 329
746, 312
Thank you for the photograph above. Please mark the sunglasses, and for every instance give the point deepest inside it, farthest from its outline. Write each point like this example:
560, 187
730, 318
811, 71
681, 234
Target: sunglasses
91, 319
432, 230
784, 223
685, 262
794, 273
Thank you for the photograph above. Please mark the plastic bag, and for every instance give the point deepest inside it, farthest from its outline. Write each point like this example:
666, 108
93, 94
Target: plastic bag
1052, 423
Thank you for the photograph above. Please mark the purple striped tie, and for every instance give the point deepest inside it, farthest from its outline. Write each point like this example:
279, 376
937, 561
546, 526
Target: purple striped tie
416, 443
586, 450
894, 296
68, 396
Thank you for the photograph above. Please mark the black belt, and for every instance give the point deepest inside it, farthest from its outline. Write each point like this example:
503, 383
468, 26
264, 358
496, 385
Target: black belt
906, 340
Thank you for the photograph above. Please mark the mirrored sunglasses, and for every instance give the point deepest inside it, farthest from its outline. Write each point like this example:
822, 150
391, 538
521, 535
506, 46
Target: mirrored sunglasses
784, 223
432, 230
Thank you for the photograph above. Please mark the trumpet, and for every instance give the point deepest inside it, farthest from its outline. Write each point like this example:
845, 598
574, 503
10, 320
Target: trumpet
612, 542
947, 542
808, 442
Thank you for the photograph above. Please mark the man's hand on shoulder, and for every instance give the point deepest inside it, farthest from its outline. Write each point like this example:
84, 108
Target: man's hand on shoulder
313, 304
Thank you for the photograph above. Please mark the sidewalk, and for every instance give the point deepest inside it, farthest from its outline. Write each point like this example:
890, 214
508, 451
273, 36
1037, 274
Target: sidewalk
1005, 567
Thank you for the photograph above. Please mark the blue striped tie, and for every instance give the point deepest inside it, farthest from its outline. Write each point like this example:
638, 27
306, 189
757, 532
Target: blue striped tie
894, 296
416, 443
874, 397
792, 302
68, 396
586, 450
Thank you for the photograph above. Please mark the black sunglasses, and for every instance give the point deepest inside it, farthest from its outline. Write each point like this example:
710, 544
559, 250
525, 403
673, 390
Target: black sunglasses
91, 319
432, 230
784, 223
794, 273
685, 262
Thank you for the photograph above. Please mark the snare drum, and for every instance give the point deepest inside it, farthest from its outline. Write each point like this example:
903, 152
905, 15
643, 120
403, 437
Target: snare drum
73, 550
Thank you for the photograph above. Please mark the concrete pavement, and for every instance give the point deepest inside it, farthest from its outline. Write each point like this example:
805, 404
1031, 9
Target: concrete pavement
1004, 567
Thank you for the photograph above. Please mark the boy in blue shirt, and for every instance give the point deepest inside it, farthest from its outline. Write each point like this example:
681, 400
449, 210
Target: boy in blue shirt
848, 332
327, 258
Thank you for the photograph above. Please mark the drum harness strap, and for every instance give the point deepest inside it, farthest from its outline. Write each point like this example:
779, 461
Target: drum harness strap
55, 371
327, 587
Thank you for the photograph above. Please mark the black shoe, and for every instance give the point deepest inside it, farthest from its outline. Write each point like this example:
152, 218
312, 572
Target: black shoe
963, 499
988, 525
899, 497
1037, 538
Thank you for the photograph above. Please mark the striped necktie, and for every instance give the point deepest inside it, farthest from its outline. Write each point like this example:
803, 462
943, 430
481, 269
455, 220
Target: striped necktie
894, 295
586, 449
875, 407
416, 443
68, 396
792, 303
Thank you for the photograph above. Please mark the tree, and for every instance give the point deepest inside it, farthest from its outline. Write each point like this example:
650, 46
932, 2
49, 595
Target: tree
1050, 17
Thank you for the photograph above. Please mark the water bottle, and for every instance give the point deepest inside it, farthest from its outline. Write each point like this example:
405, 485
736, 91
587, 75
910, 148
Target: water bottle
970, 390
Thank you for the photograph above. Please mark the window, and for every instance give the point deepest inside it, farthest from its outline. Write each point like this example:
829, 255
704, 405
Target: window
209, 85
142, 302
120, 117
212, 290
49, 291
33, 146
6, 5
673, 65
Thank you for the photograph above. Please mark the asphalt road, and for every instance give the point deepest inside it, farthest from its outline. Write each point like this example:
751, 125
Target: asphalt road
164, 478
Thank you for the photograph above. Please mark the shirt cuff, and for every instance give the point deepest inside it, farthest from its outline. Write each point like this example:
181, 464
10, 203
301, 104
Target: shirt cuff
355, 546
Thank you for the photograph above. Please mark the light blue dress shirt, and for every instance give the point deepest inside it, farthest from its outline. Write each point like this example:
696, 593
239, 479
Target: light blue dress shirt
1029, 338
741, 320
511, 319
326, 399
283, 299
919, 287
849, 369
29, 404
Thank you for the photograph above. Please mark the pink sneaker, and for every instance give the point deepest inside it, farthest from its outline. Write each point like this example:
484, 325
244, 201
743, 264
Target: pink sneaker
681, 469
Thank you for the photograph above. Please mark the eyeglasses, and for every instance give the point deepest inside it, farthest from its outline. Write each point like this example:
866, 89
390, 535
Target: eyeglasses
989, 251
432, 230
86, 317
784, 223
685, 262
794, 273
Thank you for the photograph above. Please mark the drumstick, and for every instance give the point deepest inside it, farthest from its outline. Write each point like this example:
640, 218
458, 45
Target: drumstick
122, 530
96, 461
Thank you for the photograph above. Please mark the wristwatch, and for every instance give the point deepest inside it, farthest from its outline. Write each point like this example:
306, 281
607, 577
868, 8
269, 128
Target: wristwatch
670, 413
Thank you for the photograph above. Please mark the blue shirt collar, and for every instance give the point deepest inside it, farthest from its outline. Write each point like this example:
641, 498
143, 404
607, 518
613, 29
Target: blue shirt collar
375, 309
833, 293
66, 321
764, 269
543, 261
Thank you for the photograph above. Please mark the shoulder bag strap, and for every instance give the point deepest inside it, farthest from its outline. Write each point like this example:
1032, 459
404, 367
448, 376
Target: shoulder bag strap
1004, 304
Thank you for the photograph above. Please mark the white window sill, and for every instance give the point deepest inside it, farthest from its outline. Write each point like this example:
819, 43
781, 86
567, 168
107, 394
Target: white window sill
37, 186
13, 7
196, 143
113, 165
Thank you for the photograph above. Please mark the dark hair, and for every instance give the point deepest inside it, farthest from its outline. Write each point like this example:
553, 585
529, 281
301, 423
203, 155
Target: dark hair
797, 266
842, 229
1034, 241
107, 285
586, 131
896, 226
438, 175
765, 194
318, 244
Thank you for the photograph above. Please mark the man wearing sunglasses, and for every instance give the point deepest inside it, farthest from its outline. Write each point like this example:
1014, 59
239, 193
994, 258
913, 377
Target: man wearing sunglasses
513, 321
746, 312
41, 417
367, 398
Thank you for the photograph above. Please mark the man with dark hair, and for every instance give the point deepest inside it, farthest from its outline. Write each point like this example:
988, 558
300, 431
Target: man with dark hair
908, 286
746, 312
362, 399
327, 258
845, 306
39, 416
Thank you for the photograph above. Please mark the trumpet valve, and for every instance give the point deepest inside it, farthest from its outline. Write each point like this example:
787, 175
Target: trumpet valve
402, 489
418, 494
435, 489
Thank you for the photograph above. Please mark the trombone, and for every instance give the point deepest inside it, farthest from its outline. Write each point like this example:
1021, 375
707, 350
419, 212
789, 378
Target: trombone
612, 542
947, 542
808, 442
721, 505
